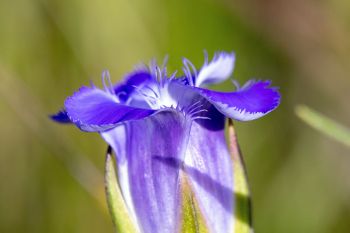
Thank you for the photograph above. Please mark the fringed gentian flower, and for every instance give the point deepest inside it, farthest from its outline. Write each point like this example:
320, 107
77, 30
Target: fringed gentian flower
174, 170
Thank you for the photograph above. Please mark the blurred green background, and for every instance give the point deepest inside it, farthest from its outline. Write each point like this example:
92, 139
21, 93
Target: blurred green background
50, 175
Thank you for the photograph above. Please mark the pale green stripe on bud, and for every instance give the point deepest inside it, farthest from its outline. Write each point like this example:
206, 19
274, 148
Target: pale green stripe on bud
116, 204
192, 220
243, 219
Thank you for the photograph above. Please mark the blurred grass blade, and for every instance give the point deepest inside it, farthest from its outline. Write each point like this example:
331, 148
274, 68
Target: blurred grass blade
324, 124
31, 113
117, 208
243, 207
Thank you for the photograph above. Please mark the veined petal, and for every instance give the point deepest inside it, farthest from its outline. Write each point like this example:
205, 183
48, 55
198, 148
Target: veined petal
253, 100
210, 171
155, 151
216, 71
92, 109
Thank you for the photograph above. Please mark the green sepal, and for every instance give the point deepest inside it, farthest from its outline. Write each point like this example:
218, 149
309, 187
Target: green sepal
192, 220
116, 204
243, 208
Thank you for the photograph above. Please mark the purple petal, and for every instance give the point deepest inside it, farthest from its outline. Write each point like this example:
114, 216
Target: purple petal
253, 100
155, 150
210, 168
61, 117
136, 79
149, 168
216, 71
92, 109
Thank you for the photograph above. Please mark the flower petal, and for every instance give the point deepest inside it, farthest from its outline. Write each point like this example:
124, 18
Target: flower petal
92, 109
136, 79
153, 144
253, 100
61, 117
218, 70
210, 169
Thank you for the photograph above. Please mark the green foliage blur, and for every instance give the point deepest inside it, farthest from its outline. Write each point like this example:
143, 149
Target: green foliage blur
51, 175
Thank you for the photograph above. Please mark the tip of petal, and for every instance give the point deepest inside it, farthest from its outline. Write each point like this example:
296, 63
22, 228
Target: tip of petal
262, 99
217, 70
254, 100
60, 117
93, 109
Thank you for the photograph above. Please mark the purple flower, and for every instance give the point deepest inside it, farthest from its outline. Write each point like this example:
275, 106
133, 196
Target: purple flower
168, 136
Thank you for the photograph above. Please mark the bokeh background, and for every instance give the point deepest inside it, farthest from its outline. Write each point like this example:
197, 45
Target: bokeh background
51, 176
